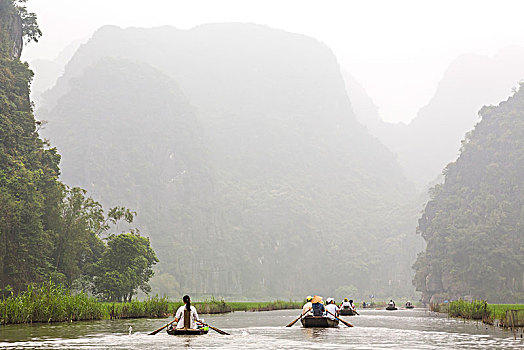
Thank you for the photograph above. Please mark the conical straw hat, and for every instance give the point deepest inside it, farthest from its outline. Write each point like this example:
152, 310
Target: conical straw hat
316, 299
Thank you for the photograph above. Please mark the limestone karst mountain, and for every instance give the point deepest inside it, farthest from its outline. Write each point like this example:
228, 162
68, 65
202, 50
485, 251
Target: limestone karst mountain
252, 177
473, 223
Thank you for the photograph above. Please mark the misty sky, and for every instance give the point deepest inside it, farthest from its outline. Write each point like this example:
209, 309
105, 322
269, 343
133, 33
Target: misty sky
398, 50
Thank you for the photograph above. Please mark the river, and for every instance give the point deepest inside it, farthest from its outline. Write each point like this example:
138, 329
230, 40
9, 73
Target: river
373, 329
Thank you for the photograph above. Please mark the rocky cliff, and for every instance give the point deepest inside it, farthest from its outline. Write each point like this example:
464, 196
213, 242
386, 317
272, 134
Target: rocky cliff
11, 33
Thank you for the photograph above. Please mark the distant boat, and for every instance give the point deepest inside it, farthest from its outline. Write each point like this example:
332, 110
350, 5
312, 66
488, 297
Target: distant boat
391, 308
347, 312
318, 322
409, 306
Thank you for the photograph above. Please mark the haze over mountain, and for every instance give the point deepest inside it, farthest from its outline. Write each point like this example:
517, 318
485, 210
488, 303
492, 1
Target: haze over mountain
253, 178
427, 144
48, 71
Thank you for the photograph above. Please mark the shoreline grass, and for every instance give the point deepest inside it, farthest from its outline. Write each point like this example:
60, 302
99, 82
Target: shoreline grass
492, 314
49, 302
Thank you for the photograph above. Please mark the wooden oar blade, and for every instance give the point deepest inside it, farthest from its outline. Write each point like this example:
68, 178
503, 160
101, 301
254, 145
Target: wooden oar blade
298, 318
218, 330
213, 328
293, 322
158, 330
344, 322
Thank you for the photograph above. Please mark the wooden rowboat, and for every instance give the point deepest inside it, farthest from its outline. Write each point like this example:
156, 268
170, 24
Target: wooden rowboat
318, 322
347, 312
187, 331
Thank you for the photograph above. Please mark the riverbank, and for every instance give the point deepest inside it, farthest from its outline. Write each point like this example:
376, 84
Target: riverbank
504, 315
214, 306
53, 303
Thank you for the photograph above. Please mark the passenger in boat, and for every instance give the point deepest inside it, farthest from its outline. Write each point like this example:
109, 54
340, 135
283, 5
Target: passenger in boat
352, 306
345, 304
332, 309
306, 309
318, 306
179, 316
391, 303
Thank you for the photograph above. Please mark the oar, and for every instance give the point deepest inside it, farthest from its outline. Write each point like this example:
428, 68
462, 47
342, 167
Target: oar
299, 317
158, 330
213, 328
344, 322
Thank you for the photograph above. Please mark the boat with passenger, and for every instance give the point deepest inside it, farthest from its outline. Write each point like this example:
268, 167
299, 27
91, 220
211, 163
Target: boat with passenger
187, 331
318, 322
391, 306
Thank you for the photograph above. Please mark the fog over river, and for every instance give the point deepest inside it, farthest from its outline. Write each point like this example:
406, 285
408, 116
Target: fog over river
373, 329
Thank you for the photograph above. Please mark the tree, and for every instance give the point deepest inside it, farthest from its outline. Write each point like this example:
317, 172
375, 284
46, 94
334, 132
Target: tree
76, 241
30, 29
125, 267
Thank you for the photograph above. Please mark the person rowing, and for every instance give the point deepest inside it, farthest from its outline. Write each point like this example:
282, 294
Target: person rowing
331, 309
345, 304
306, 309
186, 310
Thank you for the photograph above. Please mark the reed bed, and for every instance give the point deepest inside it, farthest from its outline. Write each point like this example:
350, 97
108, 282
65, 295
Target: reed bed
499, 310
266, 306
475, 310
48, 302
210, 306
153, 307
214, 306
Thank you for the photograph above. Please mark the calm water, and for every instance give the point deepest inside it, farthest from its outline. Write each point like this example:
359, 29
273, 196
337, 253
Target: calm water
374, 329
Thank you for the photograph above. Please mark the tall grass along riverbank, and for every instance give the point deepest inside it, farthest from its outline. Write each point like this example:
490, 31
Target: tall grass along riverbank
481, 310
48, 303
214, 306
54, 303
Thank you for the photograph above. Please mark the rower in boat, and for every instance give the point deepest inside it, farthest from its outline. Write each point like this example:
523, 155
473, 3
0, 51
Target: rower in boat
409, 305
306, 309
332, 309
346, 308
186, 318
391, 305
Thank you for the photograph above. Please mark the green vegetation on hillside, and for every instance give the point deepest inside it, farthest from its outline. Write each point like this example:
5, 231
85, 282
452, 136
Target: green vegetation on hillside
49, 231
473, 225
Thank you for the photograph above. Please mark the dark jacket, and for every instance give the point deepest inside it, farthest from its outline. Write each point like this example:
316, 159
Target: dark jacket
318, 309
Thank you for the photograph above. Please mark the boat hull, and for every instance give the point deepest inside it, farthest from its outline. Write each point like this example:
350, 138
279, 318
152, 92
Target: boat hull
346, 312
186, 331
318, 322
391, 308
